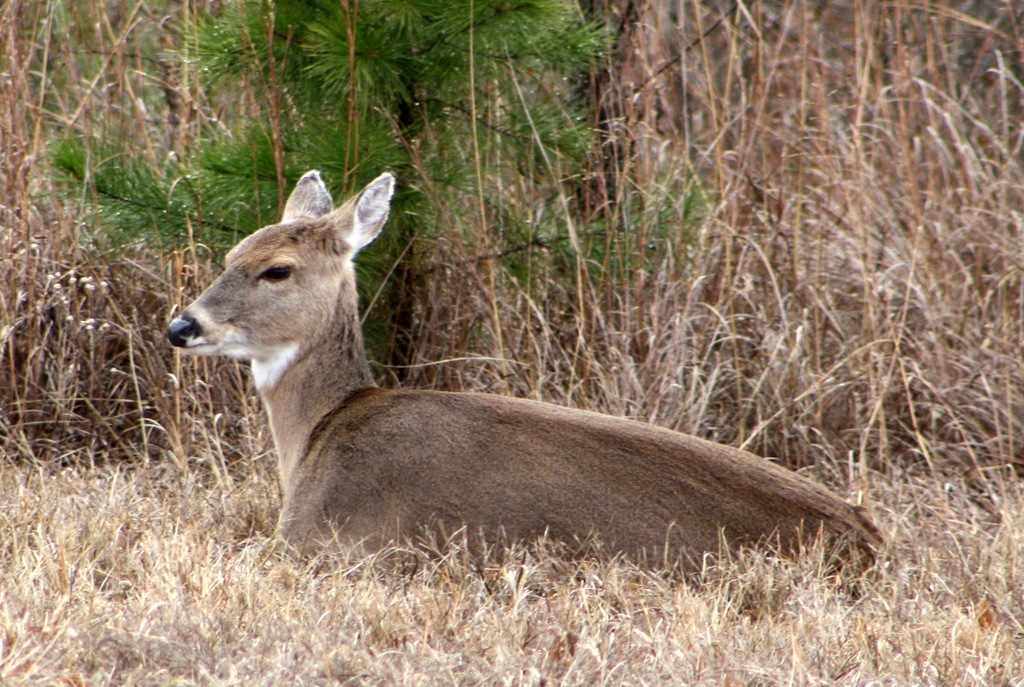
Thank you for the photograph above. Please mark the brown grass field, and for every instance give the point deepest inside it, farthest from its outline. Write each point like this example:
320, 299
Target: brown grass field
848, 299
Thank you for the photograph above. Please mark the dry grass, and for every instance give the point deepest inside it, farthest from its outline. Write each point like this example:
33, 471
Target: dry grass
849, 299
162, 576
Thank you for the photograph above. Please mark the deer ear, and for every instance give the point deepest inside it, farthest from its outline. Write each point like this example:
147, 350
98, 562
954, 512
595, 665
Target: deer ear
371, 211
309, 199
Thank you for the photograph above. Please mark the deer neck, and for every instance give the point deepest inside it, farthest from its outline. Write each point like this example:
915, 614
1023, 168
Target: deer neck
304, 383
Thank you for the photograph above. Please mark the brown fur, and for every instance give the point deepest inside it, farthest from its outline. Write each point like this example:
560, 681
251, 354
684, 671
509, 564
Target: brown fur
367, 466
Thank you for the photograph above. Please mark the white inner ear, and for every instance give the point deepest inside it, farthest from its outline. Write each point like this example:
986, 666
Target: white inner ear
372, 210
309, 199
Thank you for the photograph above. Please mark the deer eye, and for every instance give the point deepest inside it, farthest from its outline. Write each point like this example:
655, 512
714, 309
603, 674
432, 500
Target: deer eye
279, 273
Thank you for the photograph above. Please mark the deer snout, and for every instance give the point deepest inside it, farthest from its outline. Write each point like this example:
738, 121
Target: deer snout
183, 330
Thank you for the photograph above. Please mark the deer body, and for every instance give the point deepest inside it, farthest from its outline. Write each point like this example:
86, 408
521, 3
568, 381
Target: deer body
368, 466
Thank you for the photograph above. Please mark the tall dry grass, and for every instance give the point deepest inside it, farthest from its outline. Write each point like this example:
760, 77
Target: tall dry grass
817, 214
805, 236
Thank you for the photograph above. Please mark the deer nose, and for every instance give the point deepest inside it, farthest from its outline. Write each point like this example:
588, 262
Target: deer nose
182, 330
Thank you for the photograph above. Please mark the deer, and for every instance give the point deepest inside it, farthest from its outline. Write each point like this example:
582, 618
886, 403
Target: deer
367, 468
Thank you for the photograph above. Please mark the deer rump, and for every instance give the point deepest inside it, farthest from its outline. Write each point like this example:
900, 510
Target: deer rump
386, 463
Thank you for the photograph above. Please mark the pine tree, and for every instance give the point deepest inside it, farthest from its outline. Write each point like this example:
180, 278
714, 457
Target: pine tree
453, 95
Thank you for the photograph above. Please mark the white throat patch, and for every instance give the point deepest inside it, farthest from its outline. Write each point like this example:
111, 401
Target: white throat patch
266, 372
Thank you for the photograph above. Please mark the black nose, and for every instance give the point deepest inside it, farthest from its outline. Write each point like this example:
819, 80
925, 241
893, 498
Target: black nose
183, 329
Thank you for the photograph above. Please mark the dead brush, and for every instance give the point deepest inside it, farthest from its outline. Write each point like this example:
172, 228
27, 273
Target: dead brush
853, 294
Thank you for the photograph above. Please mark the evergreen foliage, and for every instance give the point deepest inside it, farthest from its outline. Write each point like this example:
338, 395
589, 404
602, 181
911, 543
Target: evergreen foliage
452, 96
